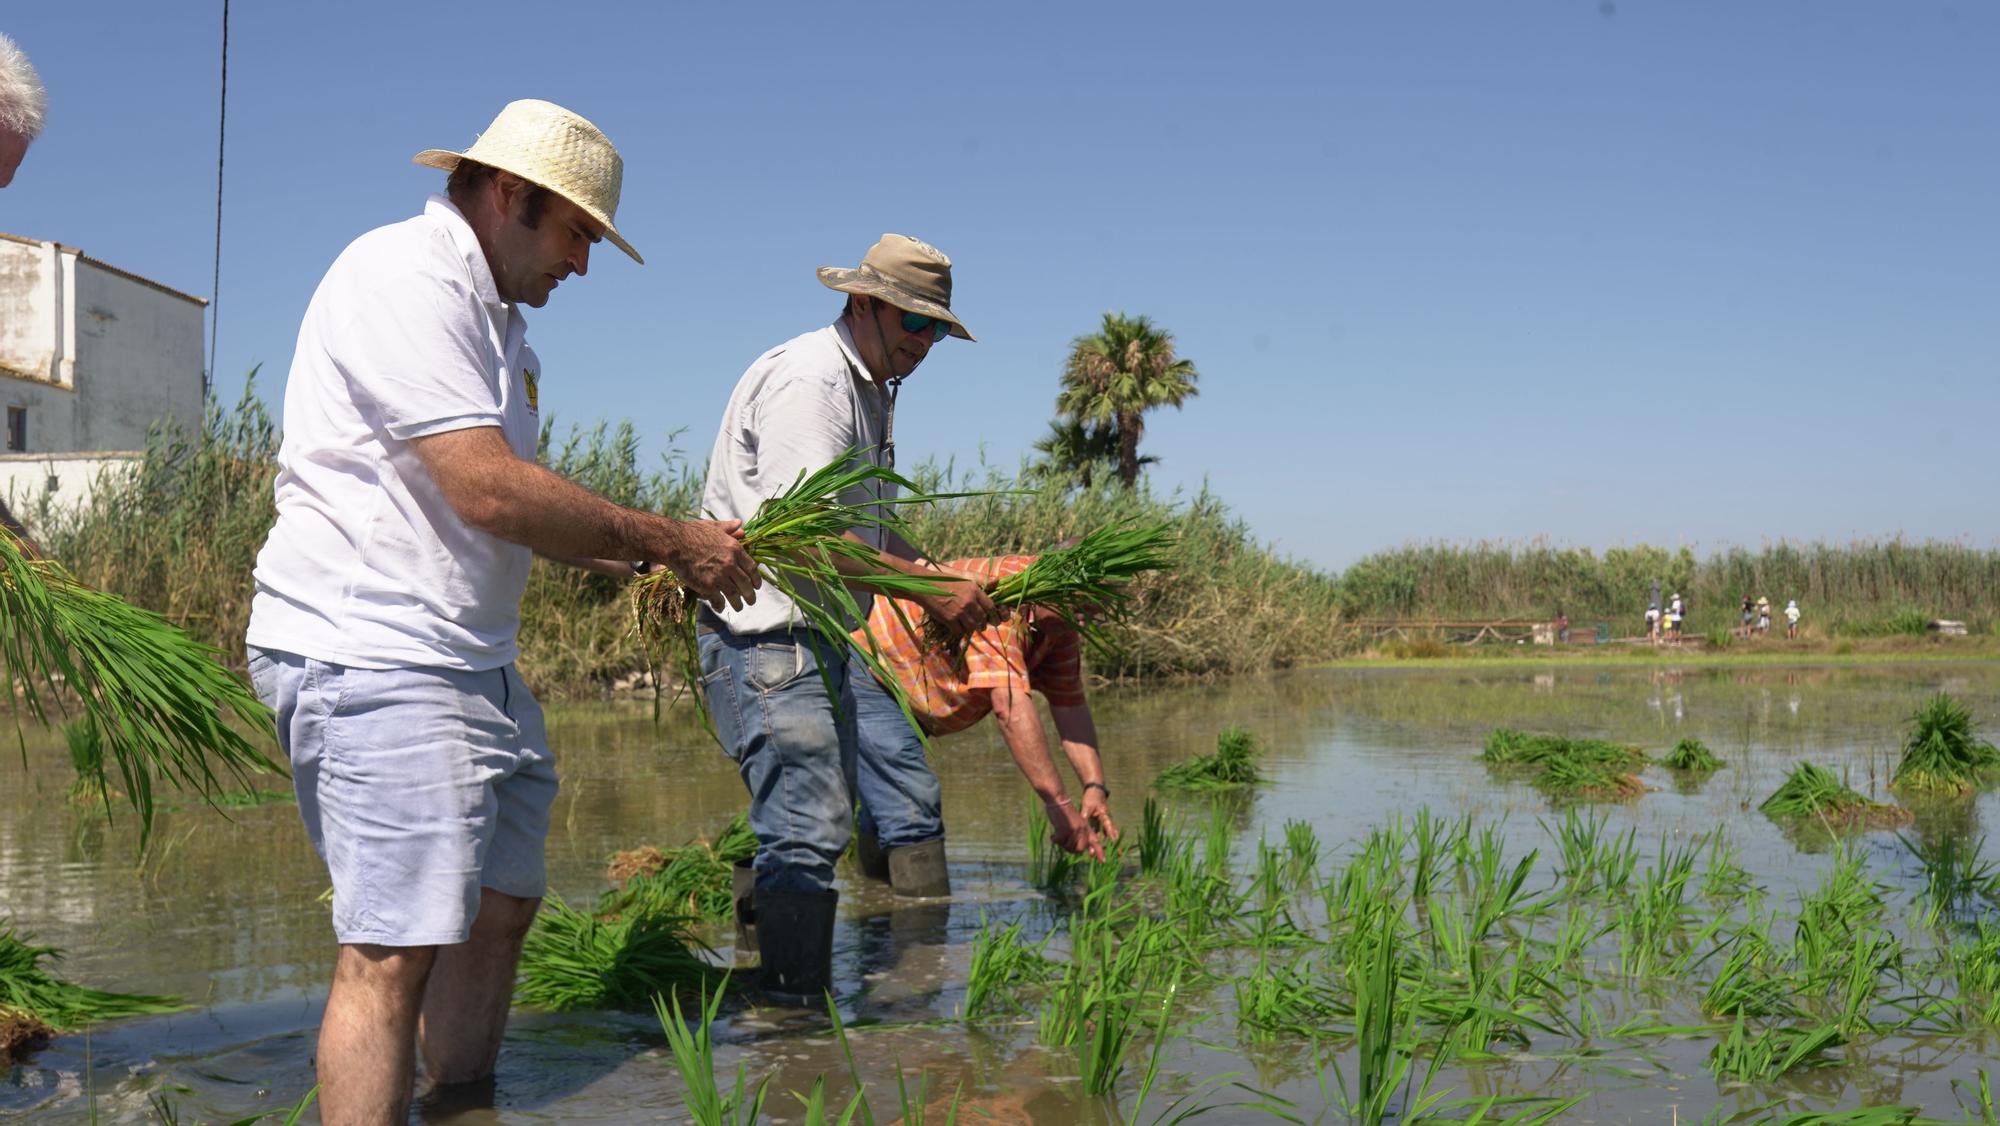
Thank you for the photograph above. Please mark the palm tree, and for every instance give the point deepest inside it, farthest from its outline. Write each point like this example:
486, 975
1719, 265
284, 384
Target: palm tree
1118, 373
1074, 453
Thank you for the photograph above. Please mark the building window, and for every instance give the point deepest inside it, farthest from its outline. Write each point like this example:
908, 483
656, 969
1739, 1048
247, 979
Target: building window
17, 429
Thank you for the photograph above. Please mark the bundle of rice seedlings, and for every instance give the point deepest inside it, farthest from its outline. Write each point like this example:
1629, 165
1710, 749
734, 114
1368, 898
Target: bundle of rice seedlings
1815, 792
1084, 583
799, 541
1580, 779
693, 880
1943, 753
1233, 764
571, 960
35, 1005
1693, 755
1569, 769
86, 757
162, 703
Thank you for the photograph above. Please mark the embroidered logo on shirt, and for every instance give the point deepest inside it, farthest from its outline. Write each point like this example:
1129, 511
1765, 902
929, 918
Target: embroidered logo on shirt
534, 387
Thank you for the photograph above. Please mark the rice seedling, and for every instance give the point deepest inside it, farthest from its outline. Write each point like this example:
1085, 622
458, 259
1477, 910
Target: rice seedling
164, 708
694, 1057
1049, 867
1156, 845
799, 542
169, 1113
692, 880
1590, 859
1816, 794
1955, 879
1234, 764
1750, 983
572, 960
1693, 755
1943, 753
1773, 1051
1566, 779
1003, 962
86, 757
1301, 852
1569, 769
1083, 584
35, 1003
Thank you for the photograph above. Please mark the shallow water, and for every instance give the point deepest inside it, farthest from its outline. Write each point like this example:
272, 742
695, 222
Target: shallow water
225, 912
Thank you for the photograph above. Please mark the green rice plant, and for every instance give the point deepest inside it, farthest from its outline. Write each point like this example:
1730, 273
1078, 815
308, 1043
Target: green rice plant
163, 707
1770, 1052
169, 1114
1301, 852
1432, 838
1218, 841
1943, 753
1233, 765
694, 1057
1691, 754
32, 996
1750, 982
1725, 878
692, 880
86, 757
1956, 881
800, 544
1049, 867
1156, 844
1003, 963
1278, 1002
1973, 965
1567, 779
1084, 583
571, 960
1569, 769
1591, 860
1814, 793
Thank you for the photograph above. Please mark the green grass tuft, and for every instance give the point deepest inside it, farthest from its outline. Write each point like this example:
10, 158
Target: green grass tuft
1943, 753
1815, 792
1693, 755
1233, 764
572, 960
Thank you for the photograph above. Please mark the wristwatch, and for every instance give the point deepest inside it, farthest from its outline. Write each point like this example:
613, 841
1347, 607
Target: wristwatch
1099, 786
643, 566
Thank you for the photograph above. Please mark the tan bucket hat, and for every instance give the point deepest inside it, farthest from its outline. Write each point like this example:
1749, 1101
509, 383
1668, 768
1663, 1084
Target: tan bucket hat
908, 273
545, 144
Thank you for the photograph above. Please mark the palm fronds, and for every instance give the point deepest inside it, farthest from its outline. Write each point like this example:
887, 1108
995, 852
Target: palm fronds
30, 995
571, 960
798, 540
1943, 753
1233, 764
1815, 792
1080, 583
1693, 755
161, 702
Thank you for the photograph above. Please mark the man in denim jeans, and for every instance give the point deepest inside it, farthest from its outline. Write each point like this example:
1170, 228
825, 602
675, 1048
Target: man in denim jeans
801, 406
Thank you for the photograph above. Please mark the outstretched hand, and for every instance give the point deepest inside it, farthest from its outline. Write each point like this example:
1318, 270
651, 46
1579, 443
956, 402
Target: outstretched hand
709, 559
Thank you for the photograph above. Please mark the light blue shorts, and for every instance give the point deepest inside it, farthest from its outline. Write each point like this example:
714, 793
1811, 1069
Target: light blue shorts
418, 786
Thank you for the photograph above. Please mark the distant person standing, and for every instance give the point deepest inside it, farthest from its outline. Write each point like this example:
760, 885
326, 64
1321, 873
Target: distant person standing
1653, 623
1763, 615
1562, 627
24, 107
1749, 616
1792, 619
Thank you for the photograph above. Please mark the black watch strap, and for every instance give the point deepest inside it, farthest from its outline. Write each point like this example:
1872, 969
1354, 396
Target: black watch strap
1099, 786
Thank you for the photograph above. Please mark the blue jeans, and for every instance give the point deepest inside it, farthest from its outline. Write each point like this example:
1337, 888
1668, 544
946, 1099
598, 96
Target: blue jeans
901, 802
792, 744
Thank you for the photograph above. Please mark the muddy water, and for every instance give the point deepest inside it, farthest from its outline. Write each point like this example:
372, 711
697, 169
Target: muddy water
226, 912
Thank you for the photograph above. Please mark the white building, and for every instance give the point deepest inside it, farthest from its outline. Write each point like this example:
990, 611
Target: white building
90, 356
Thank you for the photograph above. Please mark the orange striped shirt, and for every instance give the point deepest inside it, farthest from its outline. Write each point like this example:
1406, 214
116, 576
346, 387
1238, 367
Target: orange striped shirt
1046, 657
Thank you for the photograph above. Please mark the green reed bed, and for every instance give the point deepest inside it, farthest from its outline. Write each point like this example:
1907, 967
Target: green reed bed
1233, 765
1814, 794
1943, 753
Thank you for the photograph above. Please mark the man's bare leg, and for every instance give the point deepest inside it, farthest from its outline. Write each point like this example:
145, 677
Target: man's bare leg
465, 1008
367, 1040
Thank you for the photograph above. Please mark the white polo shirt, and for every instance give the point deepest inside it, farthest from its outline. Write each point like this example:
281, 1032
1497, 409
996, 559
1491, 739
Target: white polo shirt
797, 408
367, 565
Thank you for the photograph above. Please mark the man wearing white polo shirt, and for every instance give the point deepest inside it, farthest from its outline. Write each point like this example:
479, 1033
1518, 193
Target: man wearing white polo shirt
382, 632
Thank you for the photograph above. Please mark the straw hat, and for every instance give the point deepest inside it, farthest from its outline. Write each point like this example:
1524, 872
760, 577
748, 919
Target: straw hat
908, 273
545, 144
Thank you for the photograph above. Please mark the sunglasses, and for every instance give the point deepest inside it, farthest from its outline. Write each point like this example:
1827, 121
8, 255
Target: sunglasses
917, 322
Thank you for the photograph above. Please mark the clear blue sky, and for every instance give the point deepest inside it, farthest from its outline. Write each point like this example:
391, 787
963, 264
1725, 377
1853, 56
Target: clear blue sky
1696, 273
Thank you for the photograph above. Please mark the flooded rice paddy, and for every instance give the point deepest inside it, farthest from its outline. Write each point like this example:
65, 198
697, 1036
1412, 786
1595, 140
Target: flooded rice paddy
1635, 942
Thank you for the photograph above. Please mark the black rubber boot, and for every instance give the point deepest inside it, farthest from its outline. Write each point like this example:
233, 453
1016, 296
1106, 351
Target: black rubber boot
743, 889
796, 936
917, 870
869, 855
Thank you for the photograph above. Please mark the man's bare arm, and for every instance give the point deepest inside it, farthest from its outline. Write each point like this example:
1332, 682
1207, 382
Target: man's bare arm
1078, 732
1021, 726
521, 502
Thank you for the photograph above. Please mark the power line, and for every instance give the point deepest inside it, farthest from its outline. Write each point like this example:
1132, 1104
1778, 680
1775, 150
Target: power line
215, 285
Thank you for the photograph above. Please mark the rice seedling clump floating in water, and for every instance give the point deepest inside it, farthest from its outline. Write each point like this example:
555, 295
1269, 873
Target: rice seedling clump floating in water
1943, 753
35, 1004
1693, 754
1569, 769
1814, 792
693, 879
1233, 764
573, 960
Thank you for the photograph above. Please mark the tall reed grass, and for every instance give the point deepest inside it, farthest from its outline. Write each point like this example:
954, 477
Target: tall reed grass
180, 536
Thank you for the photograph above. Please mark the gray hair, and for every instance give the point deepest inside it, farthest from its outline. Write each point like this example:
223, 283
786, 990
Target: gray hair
24, 104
